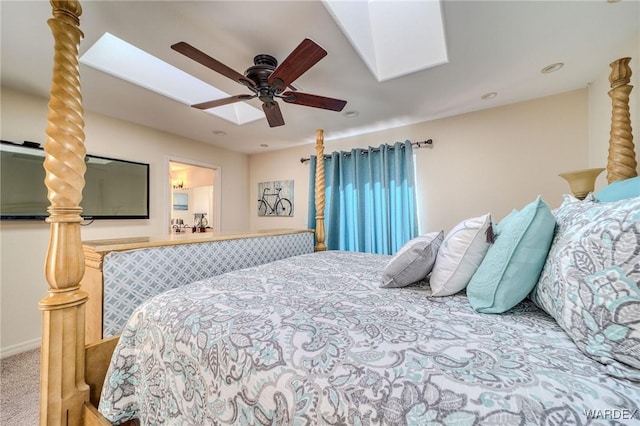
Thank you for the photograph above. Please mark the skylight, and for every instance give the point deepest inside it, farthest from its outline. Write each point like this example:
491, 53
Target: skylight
394, 38
127, 62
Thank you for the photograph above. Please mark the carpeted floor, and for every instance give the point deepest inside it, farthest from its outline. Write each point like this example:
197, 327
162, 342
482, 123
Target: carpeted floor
19, 393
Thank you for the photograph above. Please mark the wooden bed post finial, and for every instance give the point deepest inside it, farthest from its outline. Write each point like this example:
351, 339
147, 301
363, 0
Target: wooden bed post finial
319, 191
621, 163
62, 387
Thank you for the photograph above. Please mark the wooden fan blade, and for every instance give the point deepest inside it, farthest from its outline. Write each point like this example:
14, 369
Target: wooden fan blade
273, 114
314, 101
223, 101
303, 57
206, 60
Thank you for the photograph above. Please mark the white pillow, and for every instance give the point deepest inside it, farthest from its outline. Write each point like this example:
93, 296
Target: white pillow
459, 256
413, 261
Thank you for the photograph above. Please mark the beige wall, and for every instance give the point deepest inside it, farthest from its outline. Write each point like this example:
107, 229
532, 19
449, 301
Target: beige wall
487, 161
491, 160
24, 244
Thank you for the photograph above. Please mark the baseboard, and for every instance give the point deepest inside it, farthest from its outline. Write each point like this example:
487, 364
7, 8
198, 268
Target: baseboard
19, 348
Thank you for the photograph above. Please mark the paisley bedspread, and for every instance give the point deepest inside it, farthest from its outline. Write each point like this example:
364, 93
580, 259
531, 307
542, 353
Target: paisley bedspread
313, 340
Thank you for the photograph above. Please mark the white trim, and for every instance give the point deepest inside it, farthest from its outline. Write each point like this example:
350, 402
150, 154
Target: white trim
19, 348
217, 190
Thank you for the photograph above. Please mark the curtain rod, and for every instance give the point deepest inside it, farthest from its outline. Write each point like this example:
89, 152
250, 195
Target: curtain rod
418, 144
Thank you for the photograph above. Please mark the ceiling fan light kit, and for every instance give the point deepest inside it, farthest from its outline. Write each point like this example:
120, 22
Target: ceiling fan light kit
267, 80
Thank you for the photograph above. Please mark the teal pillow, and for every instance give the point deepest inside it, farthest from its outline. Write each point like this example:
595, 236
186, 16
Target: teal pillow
501, 225
620, 190
512, 266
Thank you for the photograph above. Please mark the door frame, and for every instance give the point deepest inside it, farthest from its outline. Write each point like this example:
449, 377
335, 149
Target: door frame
217, 190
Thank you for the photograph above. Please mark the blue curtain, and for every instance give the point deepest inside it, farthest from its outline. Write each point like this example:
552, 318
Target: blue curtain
370, 199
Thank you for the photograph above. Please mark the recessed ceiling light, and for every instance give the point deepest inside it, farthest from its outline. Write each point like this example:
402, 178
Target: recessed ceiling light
552, 68
351, 114
489, 95
219, 133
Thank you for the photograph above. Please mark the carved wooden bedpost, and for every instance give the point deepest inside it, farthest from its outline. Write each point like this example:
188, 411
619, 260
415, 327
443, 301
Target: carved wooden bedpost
319, 190
621, 163
62, 386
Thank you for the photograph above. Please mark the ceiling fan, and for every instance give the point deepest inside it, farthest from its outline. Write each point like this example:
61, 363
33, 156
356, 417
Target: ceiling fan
268, 80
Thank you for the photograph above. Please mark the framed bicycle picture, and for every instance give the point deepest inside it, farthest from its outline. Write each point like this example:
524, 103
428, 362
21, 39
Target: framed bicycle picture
275, 198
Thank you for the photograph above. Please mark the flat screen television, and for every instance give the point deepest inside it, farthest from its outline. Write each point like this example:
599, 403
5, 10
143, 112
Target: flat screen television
114, 189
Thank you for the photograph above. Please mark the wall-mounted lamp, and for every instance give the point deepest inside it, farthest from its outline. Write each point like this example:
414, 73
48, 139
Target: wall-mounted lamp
582, 182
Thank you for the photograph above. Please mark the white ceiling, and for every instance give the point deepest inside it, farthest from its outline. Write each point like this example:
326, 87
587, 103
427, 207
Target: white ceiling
491, 47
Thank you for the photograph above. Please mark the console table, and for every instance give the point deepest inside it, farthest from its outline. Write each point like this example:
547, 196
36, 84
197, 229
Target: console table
122, 273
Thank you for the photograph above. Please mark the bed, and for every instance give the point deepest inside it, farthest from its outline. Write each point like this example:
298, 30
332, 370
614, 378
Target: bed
270, 345
314, 339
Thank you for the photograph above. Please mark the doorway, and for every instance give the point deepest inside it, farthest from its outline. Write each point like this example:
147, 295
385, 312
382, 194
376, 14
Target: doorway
194, 197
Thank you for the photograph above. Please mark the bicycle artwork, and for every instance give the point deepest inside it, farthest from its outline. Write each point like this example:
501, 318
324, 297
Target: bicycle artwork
276, 198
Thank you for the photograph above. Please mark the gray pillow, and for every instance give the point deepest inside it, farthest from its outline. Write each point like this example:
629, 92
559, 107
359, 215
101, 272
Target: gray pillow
413, 261
590, 282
